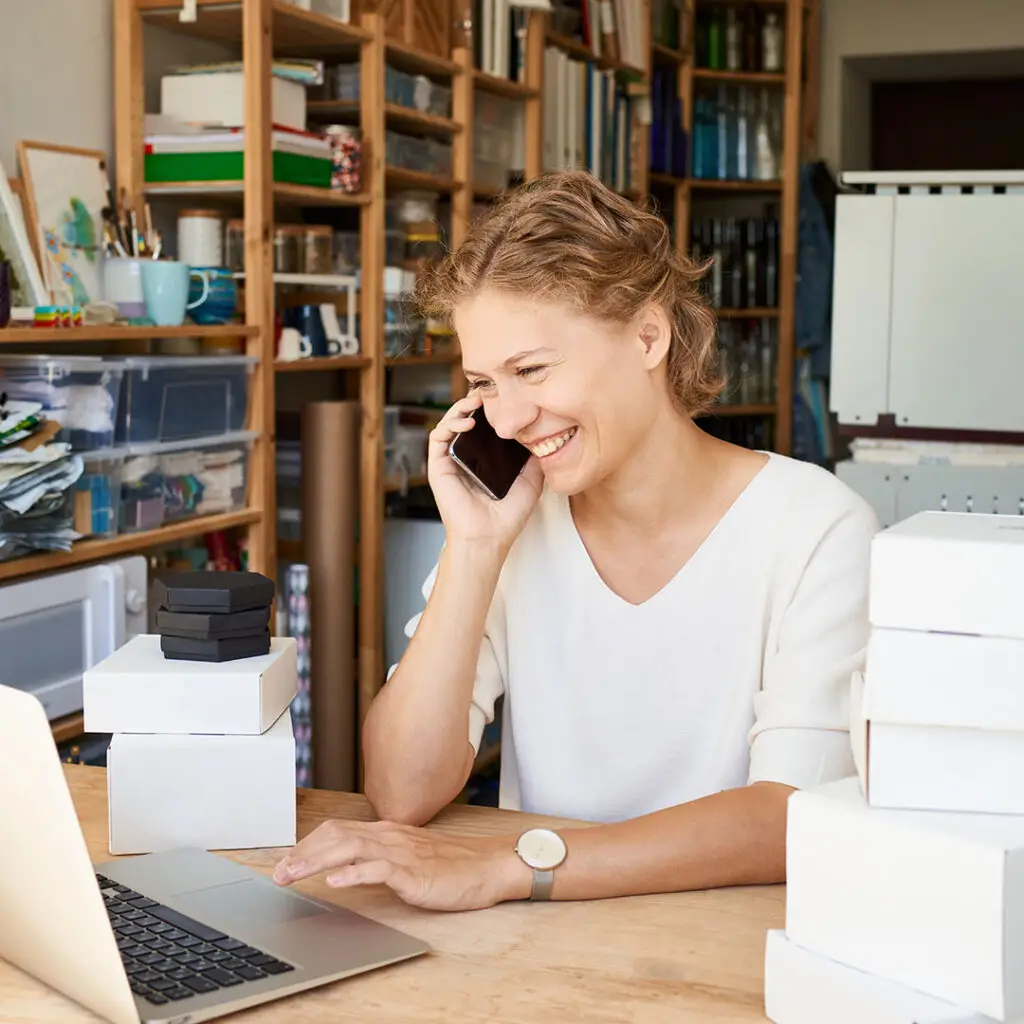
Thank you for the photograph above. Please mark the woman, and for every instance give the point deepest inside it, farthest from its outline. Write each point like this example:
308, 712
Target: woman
673, 620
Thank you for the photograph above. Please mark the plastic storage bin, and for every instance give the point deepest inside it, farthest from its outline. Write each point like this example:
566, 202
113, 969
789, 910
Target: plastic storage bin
97, 493
172, 398
80, 392
345, 82
180, 480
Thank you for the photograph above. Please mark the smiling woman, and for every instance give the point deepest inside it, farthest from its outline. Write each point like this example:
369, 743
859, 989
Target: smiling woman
673, 621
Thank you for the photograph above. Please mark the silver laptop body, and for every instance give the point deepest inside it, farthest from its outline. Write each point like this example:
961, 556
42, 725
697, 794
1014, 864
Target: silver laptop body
72, 924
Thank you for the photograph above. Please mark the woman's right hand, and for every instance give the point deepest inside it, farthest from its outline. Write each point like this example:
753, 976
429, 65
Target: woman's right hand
466, 511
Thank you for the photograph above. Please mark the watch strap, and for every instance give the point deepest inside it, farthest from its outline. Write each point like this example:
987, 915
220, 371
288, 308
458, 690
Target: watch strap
543, 883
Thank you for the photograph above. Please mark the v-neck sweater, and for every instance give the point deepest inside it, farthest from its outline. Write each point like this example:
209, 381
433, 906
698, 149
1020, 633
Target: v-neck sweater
738, 670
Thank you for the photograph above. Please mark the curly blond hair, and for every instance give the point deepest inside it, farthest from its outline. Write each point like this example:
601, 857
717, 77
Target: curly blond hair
567, 237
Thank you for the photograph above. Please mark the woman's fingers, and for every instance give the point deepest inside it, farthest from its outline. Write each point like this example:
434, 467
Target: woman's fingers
331, 845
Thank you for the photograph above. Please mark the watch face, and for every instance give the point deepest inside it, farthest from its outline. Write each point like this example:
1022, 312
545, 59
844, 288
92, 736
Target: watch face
541, 849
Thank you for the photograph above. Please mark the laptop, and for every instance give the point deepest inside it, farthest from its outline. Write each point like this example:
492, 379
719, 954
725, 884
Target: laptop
182, 936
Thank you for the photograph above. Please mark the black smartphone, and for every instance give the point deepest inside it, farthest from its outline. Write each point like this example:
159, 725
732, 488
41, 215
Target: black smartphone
493, 462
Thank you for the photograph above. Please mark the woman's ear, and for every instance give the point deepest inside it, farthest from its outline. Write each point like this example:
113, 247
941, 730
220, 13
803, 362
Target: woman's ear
654, 332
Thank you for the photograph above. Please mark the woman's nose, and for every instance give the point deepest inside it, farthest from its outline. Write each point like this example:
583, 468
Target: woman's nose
510, 416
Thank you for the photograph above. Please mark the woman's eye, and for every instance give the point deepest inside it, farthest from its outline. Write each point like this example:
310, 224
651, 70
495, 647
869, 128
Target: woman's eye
526, 371
476, 384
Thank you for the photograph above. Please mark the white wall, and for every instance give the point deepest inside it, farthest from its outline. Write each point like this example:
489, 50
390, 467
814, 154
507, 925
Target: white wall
56, 75
855, 29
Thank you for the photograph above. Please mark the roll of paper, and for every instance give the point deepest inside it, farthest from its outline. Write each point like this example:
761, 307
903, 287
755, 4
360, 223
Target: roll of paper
330, 500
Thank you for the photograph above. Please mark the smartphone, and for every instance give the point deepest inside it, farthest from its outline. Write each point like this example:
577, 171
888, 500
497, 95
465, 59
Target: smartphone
491, 461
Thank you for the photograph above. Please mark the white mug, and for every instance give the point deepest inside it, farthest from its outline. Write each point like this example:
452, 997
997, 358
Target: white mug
122, 285
293, 345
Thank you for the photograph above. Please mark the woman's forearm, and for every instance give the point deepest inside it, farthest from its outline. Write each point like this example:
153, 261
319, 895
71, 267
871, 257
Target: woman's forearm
735, 837
415, 738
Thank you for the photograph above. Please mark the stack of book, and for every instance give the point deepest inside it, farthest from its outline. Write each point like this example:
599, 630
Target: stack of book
905, 883
202, 753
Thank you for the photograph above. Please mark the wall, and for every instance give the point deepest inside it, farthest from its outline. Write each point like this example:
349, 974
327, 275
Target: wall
56, 76
864, 40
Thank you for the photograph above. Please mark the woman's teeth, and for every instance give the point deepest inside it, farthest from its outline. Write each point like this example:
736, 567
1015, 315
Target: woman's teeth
552, 444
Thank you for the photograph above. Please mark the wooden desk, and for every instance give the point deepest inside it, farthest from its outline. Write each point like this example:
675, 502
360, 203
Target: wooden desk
693, 957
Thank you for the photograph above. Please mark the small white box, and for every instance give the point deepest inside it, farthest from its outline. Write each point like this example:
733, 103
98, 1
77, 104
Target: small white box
952, 572
137, 689
802, 987
931, 900
217, 100
937, 722
215, 792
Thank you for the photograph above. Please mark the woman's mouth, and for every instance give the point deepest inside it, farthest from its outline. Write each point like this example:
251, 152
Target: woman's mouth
550, 445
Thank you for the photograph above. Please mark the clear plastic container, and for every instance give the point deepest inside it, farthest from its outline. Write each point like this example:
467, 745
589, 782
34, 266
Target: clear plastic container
440, 157
175, 481
171, 398
399, 87
347, 252
317, 249
234, 245
287, 248
410, 208
97, 493
432, 97
394, 248
345, 82
81, 393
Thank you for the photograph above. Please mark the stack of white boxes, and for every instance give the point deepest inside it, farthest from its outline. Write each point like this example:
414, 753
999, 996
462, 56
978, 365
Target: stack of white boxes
202, 753
905, 883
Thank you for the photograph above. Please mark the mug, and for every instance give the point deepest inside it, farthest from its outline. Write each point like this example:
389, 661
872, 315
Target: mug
165, 288
122, 285
308, 321
293, 345
218, 302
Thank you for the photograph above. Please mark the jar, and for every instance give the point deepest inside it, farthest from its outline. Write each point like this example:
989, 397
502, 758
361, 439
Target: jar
771, 43
200, 238
286, 249
317, 249
346, 156
234, 245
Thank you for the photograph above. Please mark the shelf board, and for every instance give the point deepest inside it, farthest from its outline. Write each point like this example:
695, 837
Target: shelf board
295, 31
395, 486
742, 77
503, 86
428, 359
68, 728
48, 335
312, 280
668, 180
125, 543
488, 191
285, 193
742, 410
401, 177
666, 54
395, 114
408, 58
718, 185
747, 314
310, 363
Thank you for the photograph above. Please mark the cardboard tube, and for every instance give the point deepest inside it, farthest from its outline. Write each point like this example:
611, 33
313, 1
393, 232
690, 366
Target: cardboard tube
330, 505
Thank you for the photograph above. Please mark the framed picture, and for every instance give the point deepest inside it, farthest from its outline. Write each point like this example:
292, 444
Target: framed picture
27, 286
66, 190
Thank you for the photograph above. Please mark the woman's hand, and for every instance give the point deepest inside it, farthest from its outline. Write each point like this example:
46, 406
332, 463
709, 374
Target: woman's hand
468, 513
423, 867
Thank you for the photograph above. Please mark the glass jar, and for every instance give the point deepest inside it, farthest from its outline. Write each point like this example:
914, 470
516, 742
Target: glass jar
234, 245
286, 249
317, 249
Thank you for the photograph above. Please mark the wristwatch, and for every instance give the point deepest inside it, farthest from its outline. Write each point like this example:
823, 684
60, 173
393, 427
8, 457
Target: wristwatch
542, 850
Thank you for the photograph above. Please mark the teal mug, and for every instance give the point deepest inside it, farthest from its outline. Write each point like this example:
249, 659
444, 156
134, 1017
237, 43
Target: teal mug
214, 299
165, 290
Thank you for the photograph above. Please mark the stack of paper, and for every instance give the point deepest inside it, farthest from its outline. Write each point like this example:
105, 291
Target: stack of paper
905, 884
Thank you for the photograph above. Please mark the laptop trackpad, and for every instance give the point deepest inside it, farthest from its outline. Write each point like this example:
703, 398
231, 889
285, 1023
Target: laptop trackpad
250, 902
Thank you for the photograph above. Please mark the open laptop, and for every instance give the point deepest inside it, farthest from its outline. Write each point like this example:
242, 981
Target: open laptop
176, 937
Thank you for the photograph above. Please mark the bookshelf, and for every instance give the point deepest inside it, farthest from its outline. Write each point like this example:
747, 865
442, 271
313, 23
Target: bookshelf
449, 50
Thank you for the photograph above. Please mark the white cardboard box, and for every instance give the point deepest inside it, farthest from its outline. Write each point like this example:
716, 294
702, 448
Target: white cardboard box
937, 722
953, 572
931, 900
802, 987
137, 689
215, 792
218, 100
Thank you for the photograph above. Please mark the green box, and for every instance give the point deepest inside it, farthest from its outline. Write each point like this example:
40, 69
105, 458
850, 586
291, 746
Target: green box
291, 168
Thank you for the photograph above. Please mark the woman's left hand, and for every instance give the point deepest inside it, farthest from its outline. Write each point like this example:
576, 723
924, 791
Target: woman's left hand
424, 868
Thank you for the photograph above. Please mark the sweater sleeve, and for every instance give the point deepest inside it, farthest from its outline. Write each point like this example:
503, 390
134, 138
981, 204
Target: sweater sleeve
489, 683
800, 736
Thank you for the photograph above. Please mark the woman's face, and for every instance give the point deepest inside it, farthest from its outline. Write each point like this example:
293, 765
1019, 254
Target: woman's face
580, 393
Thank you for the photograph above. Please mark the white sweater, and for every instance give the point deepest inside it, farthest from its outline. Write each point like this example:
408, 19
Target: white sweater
737, 671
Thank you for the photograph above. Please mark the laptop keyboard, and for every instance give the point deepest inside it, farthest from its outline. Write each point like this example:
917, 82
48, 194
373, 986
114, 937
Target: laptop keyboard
168, 956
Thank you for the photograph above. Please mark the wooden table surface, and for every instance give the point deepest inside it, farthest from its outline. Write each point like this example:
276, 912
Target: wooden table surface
686, 957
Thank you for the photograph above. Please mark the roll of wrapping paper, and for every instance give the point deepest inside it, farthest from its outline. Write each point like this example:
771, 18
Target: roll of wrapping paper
330, 504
